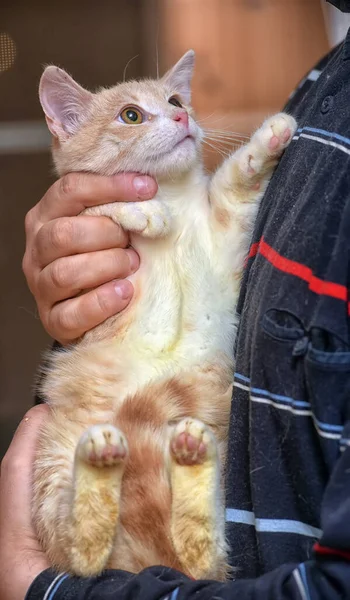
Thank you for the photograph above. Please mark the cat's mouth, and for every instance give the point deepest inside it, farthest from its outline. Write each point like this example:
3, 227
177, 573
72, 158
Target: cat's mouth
185, 139
189, 136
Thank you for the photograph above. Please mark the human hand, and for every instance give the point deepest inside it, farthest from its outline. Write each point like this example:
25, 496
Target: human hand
68, 254
21, 558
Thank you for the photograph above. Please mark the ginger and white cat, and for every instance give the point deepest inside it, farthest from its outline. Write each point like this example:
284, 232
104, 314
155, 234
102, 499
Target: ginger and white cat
130, 465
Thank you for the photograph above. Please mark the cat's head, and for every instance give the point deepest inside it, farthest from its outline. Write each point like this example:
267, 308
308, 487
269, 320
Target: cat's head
144, 126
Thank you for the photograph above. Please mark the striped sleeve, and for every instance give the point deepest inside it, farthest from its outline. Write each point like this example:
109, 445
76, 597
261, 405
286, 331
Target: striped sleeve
325, 578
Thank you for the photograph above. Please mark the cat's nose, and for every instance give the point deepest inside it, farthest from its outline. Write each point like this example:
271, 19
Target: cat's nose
182, 117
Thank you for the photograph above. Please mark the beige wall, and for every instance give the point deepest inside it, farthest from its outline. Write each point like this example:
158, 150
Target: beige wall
250, 53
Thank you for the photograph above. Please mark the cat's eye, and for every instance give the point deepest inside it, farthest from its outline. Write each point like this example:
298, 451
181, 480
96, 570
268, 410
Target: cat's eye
131, 116
175, 101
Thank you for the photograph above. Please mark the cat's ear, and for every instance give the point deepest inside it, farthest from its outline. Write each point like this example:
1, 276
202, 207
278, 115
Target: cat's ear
179, 78
65, 102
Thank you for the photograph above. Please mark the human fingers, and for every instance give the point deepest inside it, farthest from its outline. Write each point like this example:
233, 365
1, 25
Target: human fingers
74, 192
67, 236
68, 276
70, 319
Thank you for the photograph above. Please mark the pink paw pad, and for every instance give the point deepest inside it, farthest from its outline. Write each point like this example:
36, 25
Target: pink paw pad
190, 442
108, 454
276, 141
286, 135
102, 446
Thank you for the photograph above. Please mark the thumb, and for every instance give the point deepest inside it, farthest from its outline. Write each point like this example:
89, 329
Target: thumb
21, 558
16, 471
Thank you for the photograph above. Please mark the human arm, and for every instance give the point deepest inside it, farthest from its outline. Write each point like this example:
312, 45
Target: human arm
68, 253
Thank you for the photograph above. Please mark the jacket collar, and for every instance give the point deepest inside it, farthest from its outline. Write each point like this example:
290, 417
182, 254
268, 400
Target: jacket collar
343, 5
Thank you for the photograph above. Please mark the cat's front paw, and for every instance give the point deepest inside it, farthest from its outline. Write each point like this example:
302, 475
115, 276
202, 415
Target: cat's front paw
131, 218
267, 144
192, 442
158, 225
102, 446
275, 134
156, 217
149, 219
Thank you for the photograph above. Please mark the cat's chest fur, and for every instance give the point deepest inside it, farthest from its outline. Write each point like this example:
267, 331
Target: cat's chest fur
184, 309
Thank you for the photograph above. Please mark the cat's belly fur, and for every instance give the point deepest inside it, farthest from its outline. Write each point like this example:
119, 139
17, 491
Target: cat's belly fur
187, 315
181, 319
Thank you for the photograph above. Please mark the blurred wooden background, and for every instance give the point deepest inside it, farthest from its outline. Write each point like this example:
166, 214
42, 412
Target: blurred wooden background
250, 55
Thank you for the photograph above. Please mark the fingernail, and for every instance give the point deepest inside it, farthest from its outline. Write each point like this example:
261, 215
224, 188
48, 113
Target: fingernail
144, 186
123, 289
134, 259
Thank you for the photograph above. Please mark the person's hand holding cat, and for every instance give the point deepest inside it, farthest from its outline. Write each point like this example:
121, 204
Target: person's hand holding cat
21, 558
68, 254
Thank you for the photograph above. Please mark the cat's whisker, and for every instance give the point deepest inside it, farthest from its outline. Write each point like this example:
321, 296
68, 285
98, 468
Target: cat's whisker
220, 138
228, 149
231, 143
225, 137
223, 149
226, 133
157, 52
127, 64
206, 118
217, 149
227, 128
223, 140
214, 121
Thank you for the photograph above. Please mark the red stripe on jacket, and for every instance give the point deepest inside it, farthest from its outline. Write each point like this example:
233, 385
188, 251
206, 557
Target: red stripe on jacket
317, 285
331, 551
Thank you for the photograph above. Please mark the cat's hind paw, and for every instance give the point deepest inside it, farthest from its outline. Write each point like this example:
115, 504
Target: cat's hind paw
102, 446
192, 442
